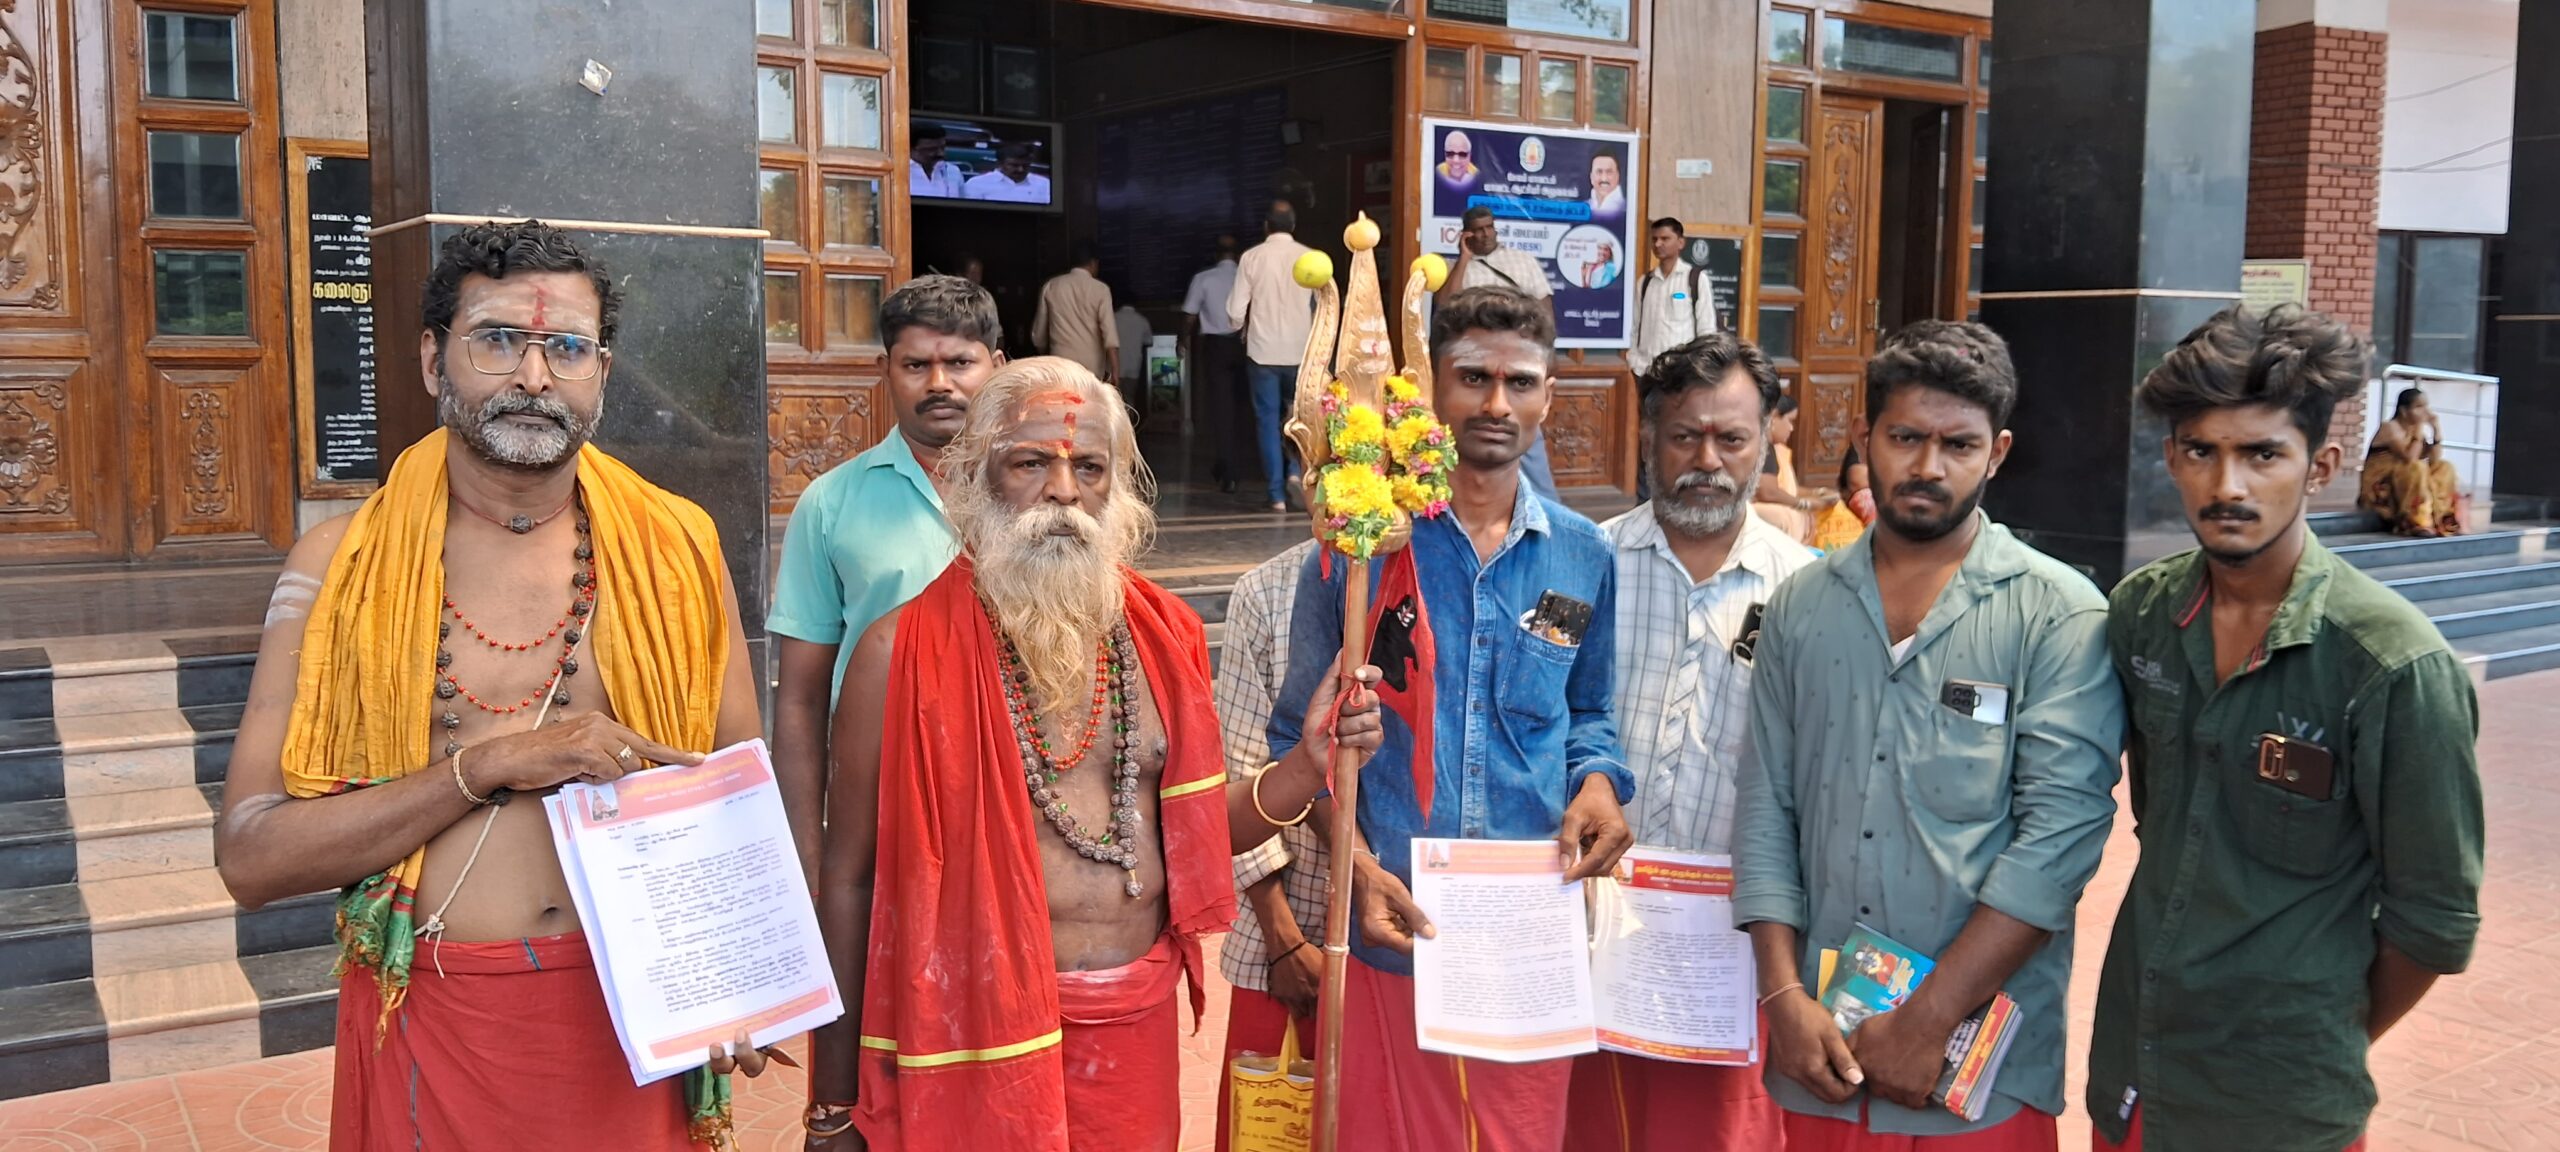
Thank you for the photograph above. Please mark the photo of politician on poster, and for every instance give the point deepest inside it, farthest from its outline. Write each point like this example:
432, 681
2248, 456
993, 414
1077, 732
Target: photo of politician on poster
1566, 198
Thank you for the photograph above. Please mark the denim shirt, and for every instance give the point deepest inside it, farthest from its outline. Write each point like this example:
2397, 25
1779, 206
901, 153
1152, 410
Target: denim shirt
1518, 720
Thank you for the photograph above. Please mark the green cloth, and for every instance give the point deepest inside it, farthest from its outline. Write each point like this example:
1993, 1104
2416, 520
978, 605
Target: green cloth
865, 537
2234, 995
1868, 799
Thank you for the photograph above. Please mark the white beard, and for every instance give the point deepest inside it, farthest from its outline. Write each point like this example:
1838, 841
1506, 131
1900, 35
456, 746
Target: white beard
1055, 597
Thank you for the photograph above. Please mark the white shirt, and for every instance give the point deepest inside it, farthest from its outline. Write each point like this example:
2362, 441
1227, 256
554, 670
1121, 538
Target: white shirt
995, 185
1275, 312
1134, 334
1683, 697
1523, 272
1207, 299
1611, 204
943, 181
1666, 316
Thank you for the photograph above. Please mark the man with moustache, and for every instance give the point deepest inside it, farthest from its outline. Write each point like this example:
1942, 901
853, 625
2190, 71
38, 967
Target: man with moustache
2303, 776
1018, 983
868, 534
396, 708
1539, 756
1935, 728
1695, 567
1608, 194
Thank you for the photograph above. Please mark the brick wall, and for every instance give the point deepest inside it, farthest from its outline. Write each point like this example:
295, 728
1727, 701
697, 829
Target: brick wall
2315, 151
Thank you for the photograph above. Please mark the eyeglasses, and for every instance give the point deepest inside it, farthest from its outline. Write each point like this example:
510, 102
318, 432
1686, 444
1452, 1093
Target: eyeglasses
500, 351
1458, 153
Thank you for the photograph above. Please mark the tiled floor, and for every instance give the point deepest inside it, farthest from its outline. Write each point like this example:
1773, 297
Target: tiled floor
2476, 1067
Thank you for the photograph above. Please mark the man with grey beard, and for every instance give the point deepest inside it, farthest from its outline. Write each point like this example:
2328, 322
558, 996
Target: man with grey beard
1694, 568
1018, 983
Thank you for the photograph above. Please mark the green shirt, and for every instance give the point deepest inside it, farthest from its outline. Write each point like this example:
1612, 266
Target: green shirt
2233, 1003
1870, 798
865, 537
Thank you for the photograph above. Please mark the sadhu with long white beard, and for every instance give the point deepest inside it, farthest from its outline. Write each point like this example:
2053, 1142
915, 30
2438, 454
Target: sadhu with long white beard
1029, 813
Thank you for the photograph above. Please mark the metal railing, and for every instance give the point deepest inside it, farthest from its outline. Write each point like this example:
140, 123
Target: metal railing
2482, 457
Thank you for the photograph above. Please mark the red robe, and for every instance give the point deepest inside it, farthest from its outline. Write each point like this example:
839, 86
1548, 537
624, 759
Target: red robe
965, 1047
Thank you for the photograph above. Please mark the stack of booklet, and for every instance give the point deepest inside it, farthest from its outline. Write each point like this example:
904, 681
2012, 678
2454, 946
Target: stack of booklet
695, 909
1880, 975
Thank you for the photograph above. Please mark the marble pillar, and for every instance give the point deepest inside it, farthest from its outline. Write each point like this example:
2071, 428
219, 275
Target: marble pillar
2119, 171
478, 109
2527, 325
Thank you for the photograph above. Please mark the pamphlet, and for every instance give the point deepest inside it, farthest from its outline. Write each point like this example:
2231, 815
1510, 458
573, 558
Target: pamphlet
1871, 973
1672, 976
690, 891
1513, 973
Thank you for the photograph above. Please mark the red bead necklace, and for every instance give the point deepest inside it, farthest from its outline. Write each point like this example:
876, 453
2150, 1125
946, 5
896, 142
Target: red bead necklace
568, 629
1017, 695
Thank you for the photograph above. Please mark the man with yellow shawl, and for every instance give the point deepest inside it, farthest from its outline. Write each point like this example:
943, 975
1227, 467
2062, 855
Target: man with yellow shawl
513, 610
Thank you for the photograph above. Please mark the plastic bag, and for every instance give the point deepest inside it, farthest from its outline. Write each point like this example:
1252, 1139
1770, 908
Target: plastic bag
1271, 1100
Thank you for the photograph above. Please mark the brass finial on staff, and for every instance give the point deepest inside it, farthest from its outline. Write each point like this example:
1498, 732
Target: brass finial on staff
1361, 496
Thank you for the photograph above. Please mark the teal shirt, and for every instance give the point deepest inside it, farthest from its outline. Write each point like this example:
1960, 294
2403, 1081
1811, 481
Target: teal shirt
866, 537
1868, 800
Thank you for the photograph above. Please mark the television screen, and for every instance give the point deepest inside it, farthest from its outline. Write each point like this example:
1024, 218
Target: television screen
981, 162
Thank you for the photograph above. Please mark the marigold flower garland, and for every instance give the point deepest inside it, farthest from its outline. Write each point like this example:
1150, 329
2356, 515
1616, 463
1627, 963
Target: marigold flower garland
1382, 463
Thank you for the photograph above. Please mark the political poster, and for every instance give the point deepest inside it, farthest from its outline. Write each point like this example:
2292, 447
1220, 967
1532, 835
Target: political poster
1567, 198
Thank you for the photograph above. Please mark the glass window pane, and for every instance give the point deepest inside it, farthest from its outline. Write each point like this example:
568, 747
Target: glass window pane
1778, 331
773, 18
189, 57
1778, 259
1597, 19
1982, 135
853, 311
781, 307
1786, 36
195, 174
1559, 86
1786, 114
849, 111
1880, 50
848, 23
778, 204
2389, 250
852, 211
1501, 84
1609, 84
1973, 272
1981, 195
777, 108
1444, 80
199, 293
1982, 73
2444, 302
1782, 188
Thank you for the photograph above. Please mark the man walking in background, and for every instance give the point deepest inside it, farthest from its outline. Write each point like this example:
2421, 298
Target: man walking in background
1215, 350
1275, 313
1074, 320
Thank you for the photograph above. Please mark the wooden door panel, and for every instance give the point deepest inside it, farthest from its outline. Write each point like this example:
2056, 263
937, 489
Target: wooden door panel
1840, 300
212, 464
1580, 434
811, 426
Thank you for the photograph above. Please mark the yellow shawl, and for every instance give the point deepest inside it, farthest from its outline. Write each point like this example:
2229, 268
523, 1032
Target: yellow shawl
364, 702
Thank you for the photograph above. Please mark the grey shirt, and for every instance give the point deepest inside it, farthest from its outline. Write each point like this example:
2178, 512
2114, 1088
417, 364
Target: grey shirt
1870, 799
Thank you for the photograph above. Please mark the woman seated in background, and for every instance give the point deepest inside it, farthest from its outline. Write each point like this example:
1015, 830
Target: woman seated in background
1843, 522
1779, 499
2407, 480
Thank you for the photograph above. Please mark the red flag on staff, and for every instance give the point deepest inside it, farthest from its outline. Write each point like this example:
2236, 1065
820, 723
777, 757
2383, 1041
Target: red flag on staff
1401, 646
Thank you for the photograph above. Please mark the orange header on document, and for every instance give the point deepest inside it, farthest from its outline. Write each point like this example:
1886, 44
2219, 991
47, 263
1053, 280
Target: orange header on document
727, 772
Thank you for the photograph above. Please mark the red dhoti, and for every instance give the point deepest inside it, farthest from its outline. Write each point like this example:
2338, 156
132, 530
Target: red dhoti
2028, 1131
2133, 1139
1398, 1098
1123, 1053
500, 1044
1625, 1103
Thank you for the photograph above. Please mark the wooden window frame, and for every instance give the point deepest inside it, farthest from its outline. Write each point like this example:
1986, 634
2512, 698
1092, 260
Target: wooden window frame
808, 255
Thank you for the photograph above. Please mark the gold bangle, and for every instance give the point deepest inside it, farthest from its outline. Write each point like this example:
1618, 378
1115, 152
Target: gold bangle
818, 1112
1265, 813
465, 785
1794, 987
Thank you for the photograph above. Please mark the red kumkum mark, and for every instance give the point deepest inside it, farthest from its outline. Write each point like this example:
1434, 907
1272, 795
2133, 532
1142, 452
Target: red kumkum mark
541, 307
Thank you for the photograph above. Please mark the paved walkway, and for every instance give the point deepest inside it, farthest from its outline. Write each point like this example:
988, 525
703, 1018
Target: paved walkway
2477, 1066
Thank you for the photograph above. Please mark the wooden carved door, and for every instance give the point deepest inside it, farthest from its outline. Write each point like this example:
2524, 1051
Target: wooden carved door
1840, 301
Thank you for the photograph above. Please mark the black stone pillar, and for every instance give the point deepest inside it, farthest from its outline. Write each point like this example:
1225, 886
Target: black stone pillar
2118, 191
2527, 327
477, 110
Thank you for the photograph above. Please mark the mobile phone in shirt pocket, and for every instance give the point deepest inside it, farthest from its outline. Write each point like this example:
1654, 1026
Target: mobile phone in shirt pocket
1533, 682
1964, 777
2280, 826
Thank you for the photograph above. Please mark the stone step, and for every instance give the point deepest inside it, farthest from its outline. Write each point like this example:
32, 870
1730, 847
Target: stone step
2489, 613
2504, 654
152, 1023
109, 675
2450, 578
2378, 552
115, 927
108, 837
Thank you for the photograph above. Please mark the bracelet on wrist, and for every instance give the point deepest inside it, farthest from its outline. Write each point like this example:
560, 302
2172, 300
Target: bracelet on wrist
460, 782
817, 1117
1265, 813
1795, 986
1274, 962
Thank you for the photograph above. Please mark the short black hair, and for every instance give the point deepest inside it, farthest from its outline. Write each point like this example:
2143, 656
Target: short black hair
1704, 363
1612, 157
1086, 253
927, 130
1785, 406
2288, 357
1669, 222
1963, 360
2407, 397
1013, 149
948, 305
496, 249
1280, 219
1494, 310
1468, 218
